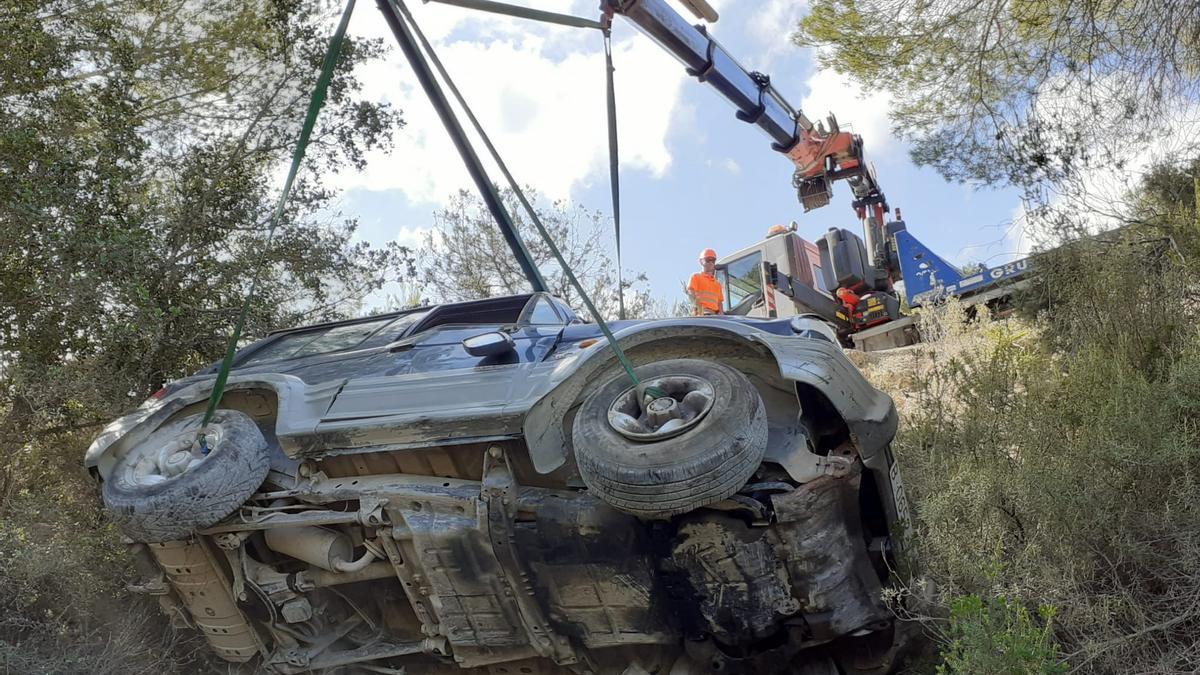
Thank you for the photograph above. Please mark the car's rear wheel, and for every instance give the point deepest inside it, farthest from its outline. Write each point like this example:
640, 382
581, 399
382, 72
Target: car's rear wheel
168, 486
696, 445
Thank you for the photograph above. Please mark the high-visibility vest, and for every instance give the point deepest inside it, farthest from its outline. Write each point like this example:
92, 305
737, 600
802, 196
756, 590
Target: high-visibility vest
707, 291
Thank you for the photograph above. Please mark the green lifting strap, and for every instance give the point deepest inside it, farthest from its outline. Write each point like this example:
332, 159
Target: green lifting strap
650, 392
310, 120
614, 170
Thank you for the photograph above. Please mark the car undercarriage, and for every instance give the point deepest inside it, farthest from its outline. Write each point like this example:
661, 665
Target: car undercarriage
353, 565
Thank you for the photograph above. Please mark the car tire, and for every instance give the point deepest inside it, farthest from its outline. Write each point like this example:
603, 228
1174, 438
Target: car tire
174, 508
706, 463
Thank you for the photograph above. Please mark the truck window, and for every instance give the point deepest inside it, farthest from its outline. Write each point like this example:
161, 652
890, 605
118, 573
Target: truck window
819, 278
742, 278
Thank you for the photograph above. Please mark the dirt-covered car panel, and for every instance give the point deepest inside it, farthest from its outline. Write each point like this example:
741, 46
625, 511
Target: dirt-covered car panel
293, 406
372, 401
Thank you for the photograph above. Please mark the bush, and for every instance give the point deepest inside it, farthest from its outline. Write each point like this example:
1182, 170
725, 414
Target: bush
1055, 461
63, 604
998, 637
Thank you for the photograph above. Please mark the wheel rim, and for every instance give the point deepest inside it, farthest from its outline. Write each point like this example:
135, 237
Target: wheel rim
159, 460
688, 399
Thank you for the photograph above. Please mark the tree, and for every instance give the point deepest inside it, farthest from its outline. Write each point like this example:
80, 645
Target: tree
1023, 93
140, 146
464, 256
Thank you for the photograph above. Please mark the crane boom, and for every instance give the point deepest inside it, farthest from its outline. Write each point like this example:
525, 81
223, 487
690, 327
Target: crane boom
821, 155
863, 271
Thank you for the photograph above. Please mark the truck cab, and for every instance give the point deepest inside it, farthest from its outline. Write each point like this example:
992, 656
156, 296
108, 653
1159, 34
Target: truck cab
761, 280
787, 275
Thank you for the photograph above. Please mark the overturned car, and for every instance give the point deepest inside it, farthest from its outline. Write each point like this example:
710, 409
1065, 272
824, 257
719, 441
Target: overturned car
479, 486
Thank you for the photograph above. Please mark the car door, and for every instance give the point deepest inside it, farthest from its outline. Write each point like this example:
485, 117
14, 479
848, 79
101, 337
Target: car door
432, 376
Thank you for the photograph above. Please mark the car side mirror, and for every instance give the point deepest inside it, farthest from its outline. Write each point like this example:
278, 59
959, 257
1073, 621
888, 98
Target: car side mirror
489, 344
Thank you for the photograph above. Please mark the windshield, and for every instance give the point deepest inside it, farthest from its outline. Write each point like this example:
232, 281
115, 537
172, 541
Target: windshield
326, 339
742, 278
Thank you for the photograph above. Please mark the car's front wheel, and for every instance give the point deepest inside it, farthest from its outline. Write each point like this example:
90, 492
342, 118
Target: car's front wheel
695, 444
168, 486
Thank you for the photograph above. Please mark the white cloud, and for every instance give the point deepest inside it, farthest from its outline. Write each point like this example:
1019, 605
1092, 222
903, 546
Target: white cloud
537, 90
413, 237
771, 25
864, 114
729, 164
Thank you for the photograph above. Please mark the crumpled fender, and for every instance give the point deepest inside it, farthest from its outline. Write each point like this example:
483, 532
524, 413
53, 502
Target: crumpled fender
300, 407
869, 413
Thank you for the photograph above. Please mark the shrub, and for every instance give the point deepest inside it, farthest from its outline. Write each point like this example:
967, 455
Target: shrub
64, 609
1054, 461
999, 637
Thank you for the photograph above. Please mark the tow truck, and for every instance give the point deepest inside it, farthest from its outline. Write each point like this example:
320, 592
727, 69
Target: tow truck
847, 280
839, 280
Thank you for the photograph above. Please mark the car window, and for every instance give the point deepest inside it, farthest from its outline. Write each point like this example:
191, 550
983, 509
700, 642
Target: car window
569, 315
394, 330
281, 348
502, 310
543, 313
316, 341
338, 338
742, 278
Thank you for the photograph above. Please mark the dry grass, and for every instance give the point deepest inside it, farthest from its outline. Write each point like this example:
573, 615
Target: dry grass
64, 609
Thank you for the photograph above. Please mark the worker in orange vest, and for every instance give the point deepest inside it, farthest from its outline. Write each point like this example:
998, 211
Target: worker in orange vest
849, 300
703, 288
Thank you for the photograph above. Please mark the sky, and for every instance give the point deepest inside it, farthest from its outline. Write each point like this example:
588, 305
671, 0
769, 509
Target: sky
692, 175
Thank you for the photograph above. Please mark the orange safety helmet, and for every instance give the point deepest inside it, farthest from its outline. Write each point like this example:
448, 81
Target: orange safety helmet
707, 253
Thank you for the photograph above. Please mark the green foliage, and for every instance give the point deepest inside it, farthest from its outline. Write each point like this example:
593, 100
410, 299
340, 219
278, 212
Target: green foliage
999, 637
1072, 450
1017, 92
139, 147
137, 153
1053, 460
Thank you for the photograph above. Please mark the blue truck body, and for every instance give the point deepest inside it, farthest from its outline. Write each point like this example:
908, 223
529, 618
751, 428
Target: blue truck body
928, 277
